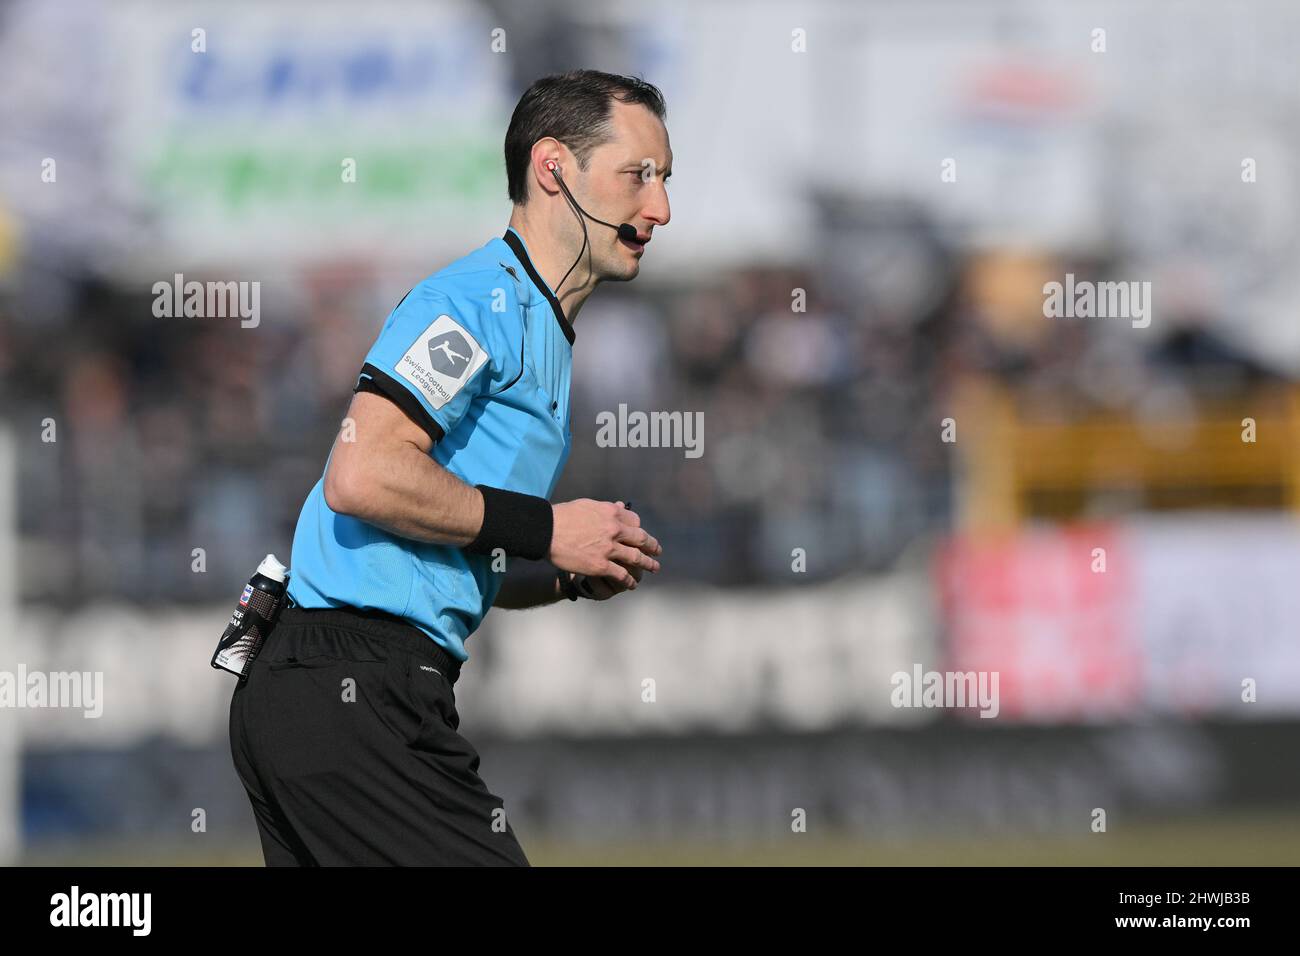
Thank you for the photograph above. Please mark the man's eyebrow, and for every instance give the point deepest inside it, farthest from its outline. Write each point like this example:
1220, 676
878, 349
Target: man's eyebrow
640, 164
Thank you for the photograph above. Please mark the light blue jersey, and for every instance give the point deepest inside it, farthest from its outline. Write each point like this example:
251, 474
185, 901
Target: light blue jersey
478, 355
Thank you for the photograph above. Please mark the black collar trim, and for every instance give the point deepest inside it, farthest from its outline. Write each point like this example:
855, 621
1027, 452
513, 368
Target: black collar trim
517, 247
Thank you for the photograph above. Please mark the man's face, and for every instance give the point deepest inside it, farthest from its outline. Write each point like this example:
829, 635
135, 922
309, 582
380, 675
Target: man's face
625, 182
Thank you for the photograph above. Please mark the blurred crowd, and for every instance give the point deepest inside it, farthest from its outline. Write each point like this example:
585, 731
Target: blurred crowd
160, 459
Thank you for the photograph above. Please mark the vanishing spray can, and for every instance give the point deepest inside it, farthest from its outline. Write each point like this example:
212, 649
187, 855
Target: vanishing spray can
254, 616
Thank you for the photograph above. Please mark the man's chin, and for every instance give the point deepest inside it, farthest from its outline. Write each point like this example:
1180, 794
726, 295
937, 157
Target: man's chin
623, 266
626, 273
631, 268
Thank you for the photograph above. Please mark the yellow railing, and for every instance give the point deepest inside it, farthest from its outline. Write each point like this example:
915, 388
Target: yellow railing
1008, 456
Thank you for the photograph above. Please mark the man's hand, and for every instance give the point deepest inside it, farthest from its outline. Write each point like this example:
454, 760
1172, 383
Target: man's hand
602, 539
604, 588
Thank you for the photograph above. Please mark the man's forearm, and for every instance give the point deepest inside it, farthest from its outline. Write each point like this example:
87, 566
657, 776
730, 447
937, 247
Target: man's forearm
408, 493
411, 495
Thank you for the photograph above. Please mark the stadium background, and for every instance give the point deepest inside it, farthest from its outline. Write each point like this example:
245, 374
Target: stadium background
811, 144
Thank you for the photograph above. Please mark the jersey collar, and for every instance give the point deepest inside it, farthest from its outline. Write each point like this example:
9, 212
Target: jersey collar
517, 247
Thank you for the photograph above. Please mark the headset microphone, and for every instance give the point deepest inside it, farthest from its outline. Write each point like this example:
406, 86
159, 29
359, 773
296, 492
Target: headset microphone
626, 231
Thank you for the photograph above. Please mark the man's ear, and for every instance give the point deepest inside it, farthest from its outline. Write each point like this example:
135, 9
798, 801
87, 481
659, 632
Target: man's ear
546, 162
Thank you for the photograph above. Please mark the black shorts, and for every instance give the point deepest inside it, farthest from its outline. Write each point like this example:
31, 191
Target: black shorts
345, 738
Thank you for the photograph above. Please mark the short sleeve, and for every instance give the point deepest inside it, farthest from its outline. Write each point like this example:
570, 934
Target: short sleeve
433, 358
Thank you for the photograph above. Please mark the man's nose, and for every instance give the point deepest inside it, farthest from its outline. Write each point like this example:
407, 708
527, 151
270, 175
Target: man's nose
657, 211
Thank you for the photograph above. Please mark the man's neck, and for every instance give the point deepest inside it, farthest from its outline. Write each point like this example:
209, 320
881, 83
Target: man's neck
551, 264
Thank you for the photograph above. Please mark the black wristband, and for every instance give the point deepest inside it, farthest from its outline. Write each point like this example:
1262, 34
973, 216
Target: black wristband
519, 524
567, 586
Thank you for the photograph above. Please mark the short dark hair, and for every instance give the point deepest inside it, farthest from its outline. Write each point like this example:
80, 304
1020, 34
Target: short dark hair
574, 108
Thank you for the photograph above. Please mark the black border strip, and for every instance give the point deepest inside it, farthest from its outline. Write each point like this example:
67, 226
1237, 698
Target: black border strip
517, 247
381, 383
1031, 903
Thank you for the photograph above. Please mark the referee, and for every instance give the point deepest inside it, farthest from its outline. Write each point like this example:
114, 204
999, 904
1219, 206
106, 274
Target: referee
434, 507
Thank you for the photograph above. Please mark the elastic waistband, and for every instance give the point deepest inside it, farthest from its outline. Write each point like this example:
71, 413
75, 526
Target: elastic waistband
380, 624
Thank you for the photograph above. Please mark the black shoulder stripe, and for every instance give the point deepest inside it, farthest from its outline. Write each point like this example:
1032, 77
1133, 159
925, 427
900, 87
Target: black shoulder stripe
381, 383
